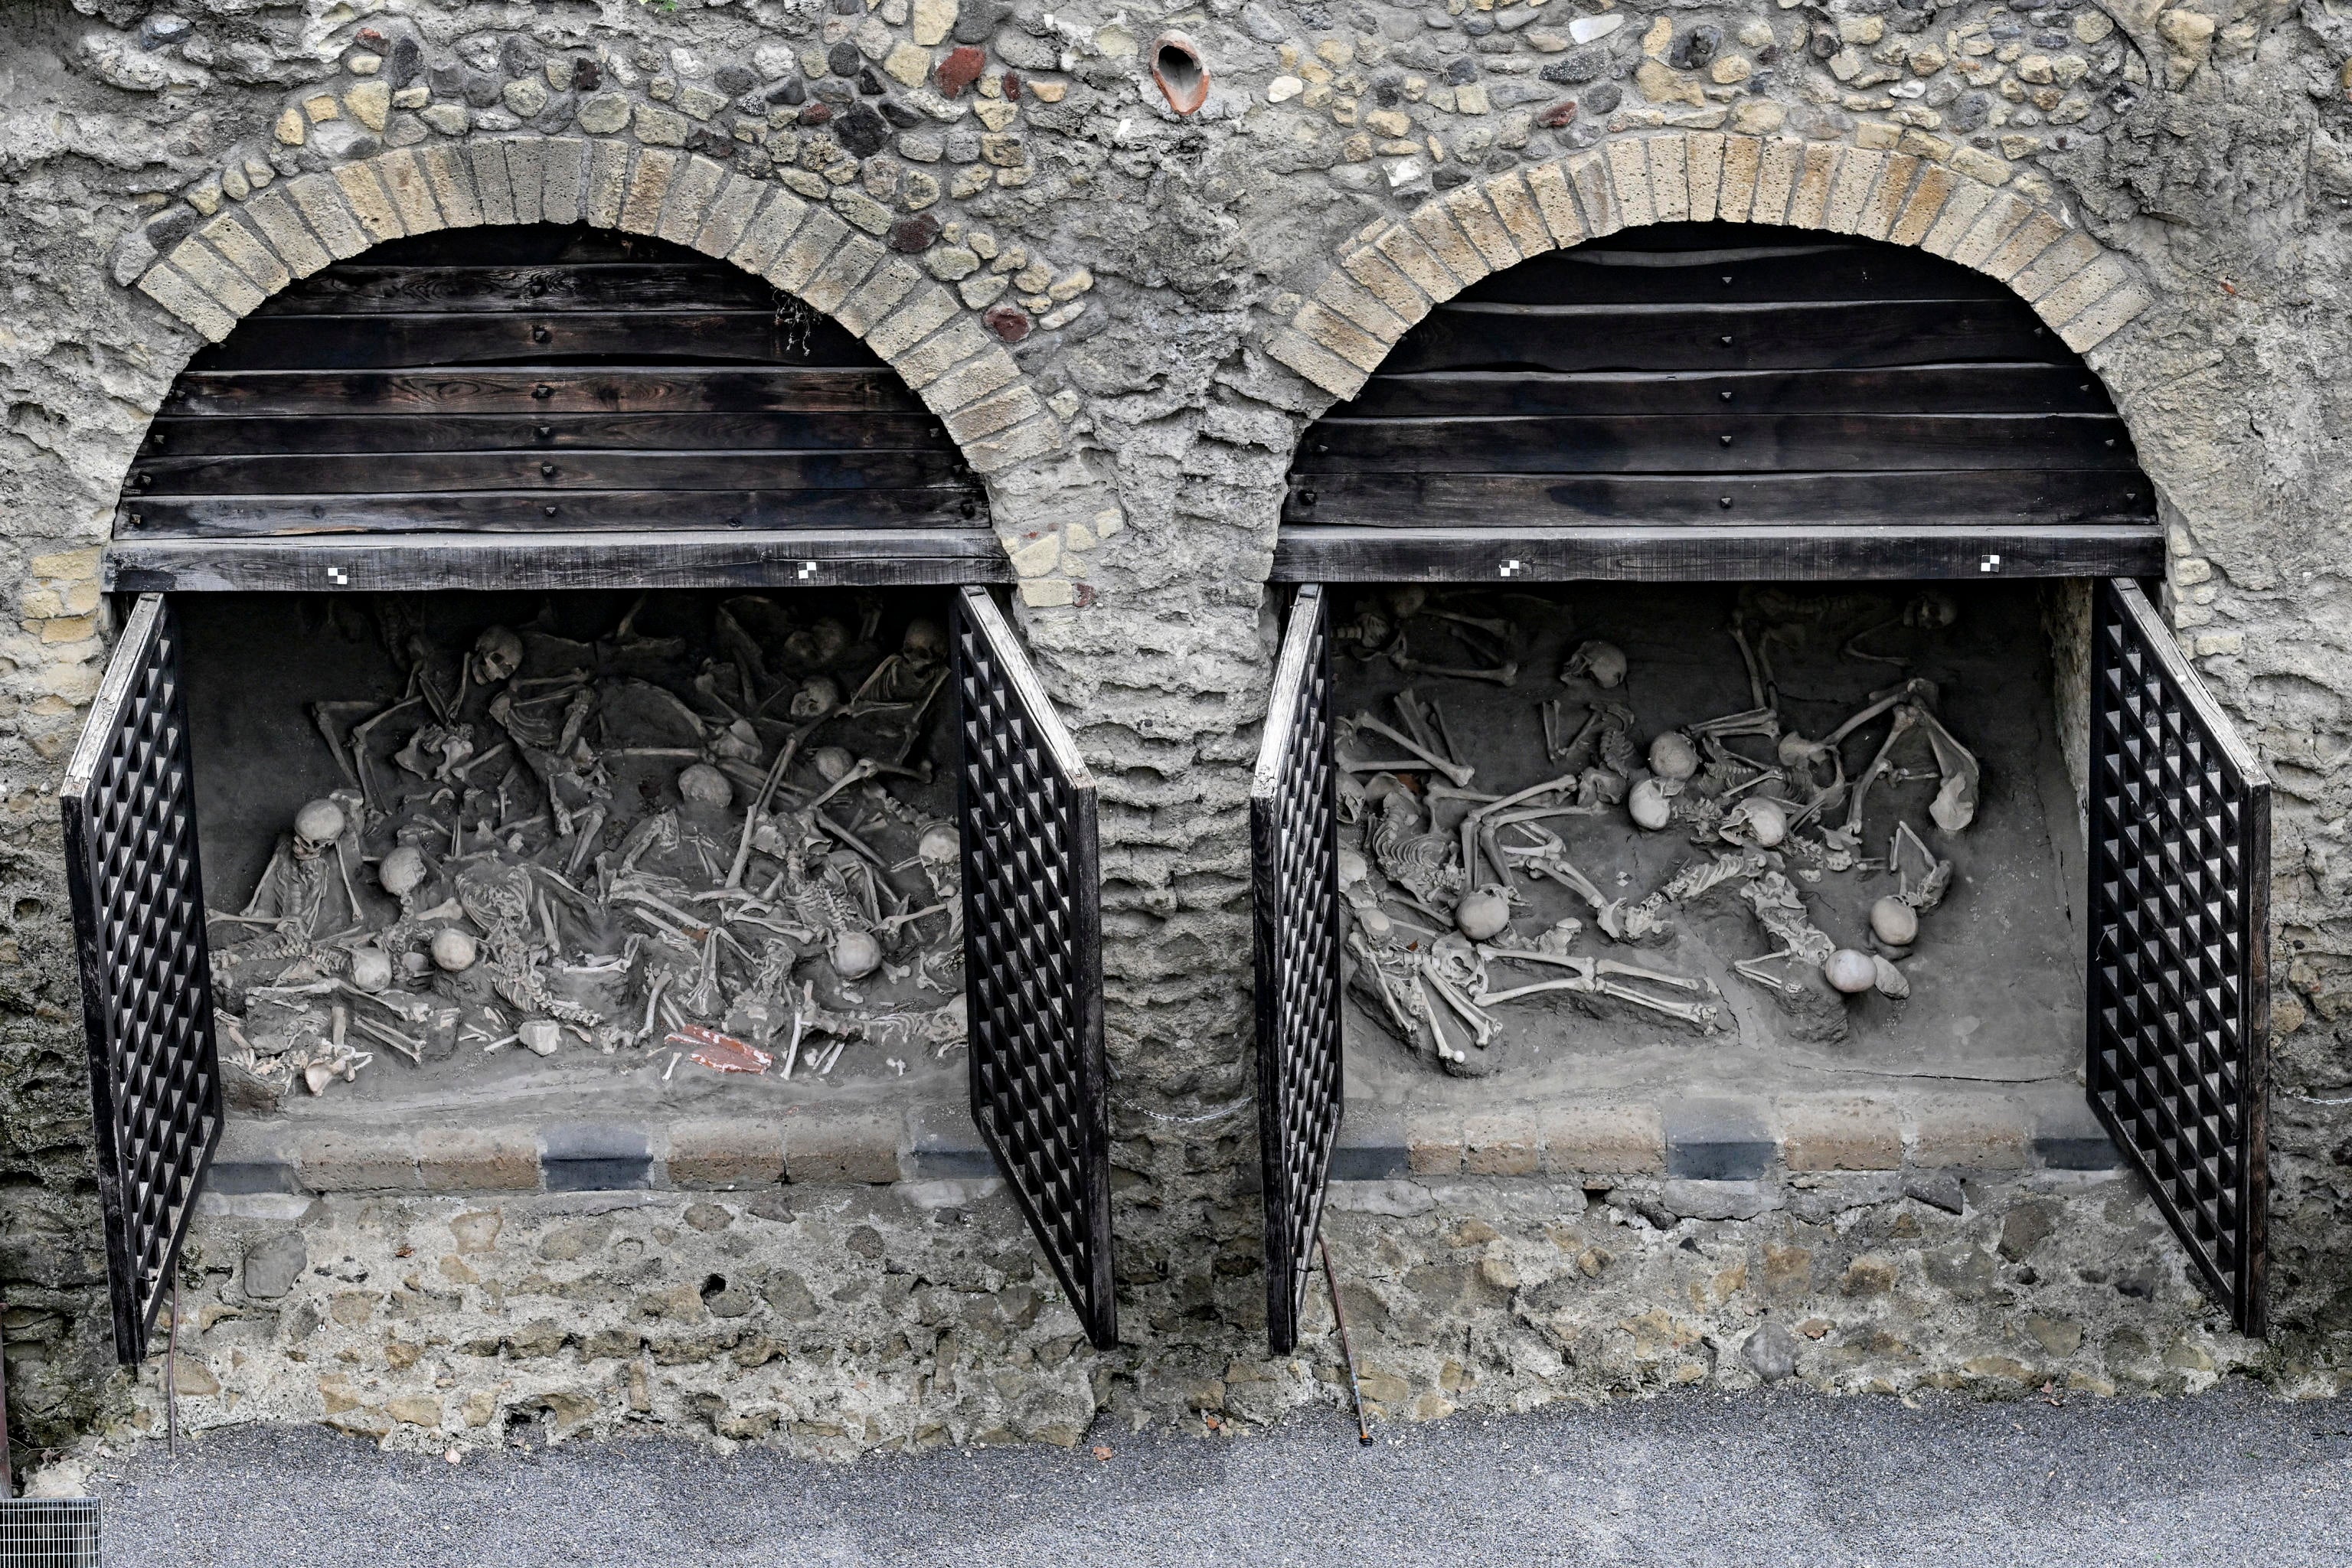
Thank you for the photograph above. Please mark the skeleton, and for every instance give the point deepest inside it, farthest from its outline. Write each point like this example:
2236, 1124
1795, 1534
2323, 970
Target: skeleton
1619, 920
1420, 862
1607, 977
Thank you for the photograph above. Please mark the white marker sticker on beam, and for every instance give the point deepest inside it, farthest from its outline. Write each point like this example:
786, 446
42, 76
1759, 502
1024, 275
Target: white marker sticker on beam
1513, 568
1990, 563
338, 576
808, 570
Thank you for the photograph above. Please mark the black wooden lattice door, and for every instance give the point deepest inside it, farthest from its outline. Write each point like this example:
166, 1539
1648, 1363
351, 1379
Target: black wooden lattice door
146, 980
1295, 878
1032, 957
2179, 996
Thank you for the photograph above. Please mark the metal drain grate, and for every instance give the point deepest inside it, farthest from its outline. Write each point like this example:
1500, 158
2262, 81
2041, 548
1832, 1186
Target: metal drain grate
49, 1532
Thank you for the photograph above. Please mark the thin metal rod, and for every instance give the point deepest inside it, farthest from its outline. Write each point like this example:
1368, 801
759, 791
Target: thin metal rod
1347, 1352
172, 1375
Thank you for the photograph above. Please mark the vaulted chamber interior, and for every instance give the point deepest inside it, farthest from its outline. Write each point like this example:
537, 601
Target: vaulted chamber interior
1712, 668
1749, 837
510, 855
558, 694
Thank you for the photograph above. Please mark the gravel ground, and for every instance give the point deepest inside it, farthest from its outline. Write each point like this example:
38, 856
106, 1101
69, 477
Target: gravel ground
1694, 1480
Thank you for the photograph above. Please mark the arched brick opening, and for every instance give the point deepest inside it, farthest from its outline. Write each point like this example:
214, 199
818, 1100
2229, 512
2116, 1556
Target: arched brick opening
224, 271
1393, 271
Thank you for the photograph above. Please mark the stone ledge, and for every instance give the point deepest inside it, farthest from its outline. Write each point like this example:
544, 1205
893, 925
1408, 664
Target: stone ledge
802, 1144
1732, 1138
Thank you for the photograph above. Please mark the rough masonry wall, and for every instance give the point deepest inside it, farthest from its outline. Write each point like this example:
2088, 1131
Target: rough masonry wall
1142, 310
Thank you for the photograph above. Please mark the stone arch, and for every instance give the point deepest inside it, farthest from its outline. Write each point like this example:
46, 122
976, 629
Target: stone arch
1391, 272
217, 275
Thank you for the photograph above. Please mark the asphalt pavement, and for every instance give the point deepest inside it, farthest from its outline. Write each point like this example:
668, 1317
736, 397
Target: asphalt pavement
1695, 1480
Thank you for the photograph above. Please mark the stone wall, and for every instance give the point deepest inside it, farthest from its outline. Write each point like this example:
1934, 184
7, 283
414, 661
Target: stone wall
1128, 315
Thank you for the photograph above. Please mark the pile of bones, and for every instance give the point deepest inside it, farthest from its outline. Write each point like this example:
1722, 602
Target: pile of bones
635, 844
1433, 870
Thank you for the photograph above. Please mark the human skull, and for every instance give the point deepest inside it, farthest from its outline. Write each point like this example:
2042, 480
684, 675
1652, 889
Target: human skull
1603, 662
1895, 922
939, 846
1407, 600
371, 968
1931, 611
819, 643
316, 825
1850, 970
833, 763
1482, 914
1760, 819
403, 870
855, 954
497, 654
1650, 805
702, 784
925, 643
453, 950
820, 696
1672, 756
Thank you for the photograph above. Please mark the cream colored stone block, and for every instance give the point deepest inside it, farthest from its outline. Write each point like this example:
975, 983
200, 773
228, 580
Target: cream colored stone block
1887, 199
1925, 206
1447, 241
1588, 172
190, 304
844, 270
2001, 217
1341, 293
2055, 265
1967, 204
447, 170
1379, 276
566, 162
1469, 209
1857, 175
730, 214
1316, 363
691, 191
1411, 256
1776, 176
1330, 331
2037, 233
771, 228
1809, 199
199, 263
913, 318
1629, 177
369, 202
246, 253
1547, 183
492, 185
2094, 282
1670, 178
404, 177
273, 212
1508, 194
990, 371
604, 185
1704, 158
648, 188
1741, 157
806, 251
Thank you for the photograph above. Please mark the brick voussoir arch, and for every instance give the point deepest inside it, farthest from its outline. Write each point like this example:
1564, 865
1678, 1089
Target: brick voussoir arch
223, 272
1393, 271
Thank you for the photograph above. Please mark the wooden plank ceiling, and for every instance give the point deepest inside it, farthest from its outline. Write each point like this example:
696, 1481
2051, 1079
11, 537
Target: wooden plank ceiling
587, 396
1711, 400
